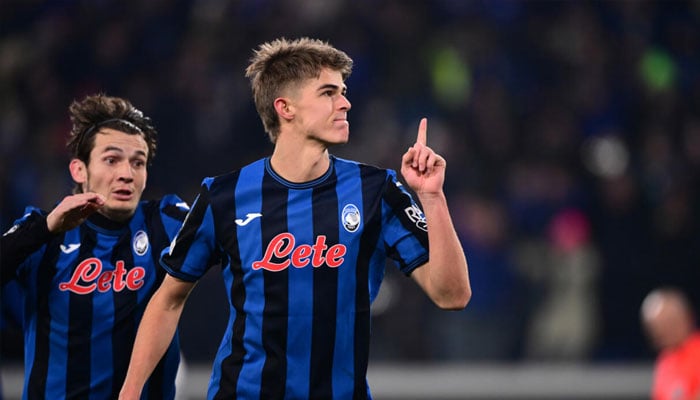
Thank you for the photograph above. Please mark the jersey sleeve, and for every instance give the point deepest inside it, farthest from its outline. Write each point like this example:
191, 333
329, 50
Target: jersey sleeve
193, 250
405, 232
173, 211
26, 237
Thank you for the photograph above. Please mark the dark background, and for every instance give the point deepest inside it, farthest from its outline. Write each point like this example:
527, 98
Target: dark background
571, 131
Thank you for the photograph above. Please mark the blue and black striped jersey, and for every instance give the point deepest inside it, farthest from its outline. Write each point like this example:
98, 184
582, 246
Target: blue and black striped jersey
84, 293
302, 263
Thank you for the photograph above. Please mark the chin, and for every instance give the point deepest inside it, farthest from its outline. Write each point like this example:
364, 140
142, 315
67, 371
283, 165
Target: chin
120, 213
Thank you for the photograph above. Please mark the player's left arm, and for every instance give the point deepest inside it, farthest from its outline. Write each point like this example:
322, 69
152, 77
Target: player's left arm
445, 277
155, 333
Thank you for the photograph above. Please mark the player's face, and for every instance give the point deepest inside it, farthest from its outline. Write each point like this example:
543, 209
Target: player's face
322, 108
117, 170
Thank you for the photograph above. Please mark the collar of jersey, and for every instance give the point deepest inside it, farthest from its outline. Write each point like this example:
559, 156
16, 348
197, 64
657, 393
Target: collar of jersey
103, 224
302, 185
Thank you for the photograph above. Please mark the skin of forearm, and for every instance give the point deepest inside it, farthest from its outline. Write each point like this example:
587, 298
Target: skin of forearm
155, 333
448, 278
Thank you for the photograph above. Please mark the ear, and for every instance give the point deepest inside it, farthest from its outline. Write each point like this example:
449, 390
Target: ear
284, 109
78, 171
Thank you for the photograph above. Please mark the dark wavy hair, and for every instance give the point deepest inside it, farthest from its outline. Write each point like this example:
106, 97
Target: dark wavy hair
98, 111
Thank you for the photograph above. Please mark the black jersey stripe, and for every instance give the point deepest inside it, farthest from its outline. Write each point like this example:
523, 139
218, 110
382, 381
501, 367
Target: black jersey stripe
225, 212
372, 183
158, 237
325, 296
40, 364
79, 347
276, 287
124, 303
399, 202
155, 388
157, 234
177, 255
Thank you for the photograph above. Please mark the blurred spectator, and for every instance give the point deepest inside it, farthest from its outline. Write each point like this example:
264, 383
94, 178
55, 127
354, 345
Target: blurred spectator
491, 327
564, 325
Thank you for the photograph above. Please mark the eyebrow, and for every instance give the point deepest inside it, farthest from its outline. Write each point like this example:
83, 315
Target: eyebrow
325, 86
120, 150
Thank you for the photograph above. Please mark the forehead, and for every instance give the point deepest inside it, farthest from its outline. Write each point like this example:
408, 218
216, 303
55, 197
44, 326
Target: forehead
108, 139
325, 78
331, 77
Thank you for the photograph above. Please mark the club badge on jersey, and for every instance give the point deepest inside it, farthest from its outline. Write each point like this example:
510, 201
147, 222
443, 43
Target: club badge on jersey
140, 243
351, 218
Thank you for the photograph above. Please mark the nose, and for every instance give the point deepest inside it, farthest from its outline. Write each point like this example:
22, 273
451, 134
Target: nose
344, 103
125, 172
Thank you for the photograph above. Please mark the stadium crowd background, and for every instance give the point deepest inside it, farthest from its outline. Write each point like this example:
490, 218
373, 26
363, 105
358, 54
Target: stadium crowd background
571, 131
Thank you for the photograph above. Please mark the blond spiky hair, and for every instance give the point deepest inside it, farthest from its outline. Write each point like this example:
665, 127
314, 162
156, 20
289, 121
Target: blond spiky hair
281, 63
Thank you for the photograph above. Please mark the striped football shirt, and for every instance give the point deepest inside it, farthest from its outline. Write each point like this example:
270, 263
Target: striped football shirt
84, 293
302, 263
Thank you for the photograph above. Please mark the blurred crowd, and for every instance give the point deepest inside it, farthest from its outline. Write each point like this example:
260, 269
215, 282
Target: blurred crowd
571, 131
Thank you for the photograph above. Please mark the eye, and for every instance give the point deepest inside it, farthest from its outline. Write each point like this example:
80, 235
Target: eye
110, 160
139, 163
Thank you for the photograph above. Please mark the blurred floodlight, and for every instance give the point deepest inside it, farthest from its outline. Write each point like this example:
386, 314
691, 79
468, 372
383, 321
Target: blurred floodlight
451, 77
658, 70
606, 156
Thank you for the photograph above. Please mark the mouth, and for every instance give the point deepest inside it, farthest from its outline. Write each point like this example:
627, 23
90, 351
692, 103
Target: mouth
122, 194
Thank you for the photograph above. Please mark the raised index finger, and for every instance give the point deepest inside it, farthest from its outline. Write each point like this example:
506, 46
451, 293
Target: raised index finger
422, 132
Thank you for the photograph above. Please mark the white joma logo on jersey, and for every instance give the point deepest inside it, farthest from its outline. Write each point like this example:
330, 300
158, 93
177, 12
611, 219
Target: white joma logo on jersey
70, 248
248, 217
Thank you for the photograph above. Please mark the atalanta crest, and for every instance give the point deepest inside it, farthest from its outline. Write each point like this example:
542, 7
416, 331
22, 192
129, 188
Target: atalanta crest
140, 243
351, 218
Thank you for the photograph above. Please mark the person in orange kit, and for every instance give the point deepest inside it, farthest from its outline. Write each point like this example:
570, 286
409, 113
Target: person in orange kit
669, 320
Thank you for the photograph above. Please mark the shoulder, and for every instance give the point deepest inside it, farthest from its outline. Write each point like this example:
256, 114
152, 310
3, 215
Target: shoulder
229, 180
31, 217
366, 169
170, 204
173, 200
30, 213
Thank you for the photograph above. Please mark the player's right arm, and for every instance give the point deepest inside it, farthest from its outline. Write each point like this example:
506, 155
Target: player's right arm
155, 333
73, 210
36, 229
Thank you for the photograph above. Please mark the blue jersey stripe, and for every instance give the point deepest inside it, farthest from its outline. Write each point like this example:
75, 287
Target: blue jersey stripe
349, 194
300, 300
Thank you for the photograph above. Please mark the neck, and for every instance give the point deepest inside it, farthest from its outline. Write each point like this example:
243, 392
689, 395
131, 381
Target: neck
300, 164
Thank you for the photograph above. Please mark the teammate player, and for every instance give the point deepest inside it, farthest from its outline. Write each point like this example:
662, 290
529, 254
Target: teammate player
88, 268
304, 237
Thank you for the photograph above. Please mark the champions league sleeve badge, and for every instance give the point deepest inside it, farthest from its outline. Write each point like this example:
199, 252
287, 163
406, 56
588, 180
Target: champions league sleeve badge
416, 216
351, 218
140, 243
